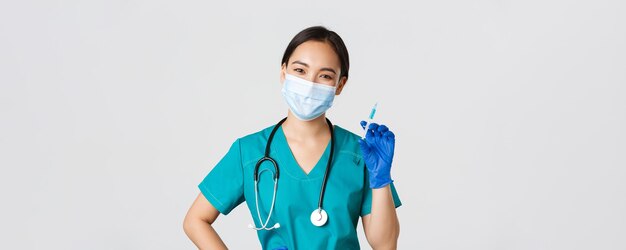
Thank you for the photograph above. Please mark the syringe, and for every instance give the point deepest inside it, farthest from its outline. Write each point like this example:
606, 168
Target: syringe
369, 120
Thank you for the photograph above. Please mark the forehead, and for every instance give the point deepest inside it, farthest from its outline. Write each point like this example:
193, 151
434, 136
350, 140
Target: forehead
316, 54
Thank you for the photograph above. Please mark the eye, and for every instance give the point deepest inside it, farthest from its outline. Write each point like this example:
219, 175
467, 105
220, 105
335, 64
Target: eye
327, 77
299, 70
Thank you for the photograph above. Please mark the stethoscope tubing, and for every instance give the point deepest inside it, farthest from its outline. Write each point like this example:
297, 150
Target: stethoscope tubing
266, 157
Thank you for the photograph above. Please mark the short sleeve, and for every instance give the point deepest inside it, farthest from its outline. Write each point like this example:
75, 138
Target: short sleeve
223, 185
366, 205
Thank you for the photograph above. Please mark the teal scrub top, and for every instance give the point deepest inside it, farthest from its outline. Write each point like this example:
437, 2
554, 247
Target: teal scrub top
347, 195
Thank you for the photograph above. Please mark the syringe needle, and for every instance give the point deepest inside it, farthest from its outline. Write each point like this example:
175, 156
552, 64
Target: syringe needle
369, 119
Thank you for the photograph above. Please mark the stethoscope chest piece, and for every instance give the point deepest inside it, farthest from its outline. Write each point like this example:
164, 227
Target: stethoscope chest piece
319, 217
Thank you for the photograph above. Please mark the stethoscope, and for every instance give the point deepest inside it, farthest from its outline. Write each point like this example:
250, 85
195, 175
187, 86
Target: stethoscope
319, 217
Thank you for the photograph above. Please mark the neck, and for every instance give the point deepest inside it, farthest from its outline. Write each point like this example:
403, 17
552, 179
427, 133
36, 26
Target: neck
302, 130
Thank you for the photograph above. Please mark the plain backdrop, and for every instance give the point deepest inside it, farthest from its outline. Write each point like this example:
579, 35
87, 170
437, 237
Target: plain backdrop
510, 116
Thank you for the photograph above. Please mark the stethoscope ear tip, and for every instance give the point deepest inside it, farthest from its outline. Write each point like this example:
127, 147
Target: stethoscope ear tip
250, 226
277, 225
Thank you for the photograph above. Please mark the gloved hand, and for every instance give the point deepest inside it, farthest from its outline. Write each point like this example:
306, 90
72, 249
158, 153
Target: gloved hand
377, 151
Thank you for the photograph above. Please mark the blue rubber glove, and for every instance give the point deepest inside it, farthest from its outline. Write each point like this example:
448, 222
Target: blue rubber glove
377, 151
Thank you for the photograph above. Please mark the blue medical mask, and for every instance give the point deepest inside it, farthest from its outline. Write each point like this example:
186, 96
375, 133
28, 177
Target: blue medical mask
307, 100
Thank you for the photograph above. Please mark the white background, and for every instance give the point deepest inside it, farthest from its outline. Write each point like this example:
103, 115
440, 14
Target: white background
509, 115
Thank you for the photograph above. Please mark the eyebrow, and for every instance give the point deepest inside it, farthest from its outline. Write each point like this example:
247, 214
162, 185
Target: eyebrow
306, 65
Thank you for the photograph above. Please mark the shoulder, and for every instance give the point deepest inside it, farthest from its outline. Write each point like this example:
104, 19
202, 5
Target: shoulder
343, 136
347, 142
252, 146
257, 137
346, 134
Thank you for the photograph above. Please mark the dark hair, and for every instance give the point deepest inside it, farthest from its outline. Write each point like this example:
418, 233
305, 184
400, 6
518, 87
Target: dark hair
320, 33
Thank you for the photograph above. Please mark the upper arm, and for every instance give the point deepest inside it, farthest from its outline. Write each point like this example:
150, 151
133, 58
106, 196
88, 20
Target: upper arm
203, 210
223, 186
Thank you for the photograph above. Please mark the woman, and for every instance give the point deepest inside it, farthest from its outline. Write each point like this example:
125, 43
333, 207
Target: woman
325, 176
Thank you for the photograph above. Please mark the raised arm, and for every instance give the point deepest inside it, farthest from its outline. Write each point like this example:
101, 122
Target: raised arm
381, 226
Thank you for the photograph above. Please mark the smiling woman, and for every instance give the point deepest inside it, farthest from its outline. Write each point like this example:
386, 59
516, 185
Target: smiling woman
328, 47
316, 185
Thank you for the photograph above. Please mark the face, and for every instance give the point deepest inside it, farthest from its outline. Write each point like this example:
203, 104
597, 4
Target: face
317, 62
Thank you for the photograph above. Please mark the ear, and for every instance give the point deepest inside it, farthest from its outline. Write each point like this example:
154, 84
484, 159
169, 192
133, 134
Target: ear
342, 82
283, 70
